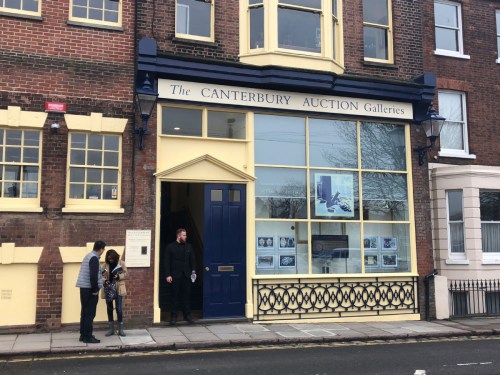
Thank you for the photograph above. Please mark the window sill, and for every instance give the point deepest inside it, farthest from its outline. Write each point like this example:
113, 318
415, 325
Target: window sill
20, 15
498, 61
93, 210
491, 261
94, 25
462, 155
457, 261
442, 52
20, 208
195, 41
380, 64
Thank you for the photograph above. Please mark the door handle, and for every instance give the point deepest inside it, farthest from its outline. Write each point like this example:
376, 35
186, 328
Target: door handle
207, 269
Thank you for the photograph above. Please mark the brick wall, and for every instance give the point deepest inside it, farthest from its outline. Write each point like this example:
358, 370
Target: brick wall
92, 70
478, 77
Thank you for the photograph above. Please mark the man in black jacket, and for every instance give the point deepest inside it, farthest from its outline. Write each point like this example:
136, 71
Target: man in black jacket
180, 266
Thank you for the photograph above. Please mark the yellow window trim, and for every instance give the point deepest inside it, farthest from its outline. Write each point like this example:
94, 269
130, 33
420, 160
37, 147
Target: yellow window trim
331, 57
95, 123
14, 117
10, 254
92, 208
14, 11
210, 38
75, 254
390, 43
91, 22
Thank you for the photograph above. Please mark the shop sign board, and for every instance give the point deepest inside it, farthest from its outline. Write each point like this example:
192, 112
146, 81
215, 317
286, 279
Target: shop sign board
282, 100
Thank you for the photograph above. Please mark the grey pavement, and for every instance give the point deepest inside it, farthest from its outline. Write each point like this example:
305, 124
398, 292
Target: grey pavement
224, 335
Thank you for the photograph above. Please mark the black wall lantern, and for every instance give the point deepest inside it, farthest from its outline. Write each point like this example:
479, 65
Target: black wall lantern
432, 126
146, 97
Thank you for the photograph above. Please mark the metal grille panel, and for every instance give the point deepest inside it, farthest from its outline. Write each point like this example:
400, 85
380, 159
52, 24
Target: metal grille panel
334, 298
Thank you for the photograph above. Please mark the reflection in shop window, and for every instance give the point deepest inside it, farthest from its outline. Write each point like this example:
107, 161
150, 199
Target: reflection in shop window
385, 196
280, 193
383, 146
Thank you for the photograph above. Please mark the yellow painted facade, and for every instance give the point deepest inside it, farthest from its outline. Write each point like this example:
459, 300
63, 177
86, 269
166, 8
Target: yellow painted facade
18, 284
72, 259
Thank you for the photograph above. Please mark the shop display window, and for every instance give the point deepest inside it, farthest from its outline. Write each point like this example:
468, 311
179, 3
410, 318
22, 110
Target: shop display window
358, 216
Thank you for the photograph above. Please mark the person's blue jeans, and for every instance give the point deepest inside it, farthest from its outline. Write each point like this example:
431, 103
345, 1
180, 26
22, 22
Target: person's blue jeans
118, 304
87, 314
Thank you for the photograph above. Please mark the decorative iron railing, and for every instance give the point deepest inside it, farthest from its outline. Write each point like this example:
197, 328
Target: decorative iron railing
474, 298
334, 298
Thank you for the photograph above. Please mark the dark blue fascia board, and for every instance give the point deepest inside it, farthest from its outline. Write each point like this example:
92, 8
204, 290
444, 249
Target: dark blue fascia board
419, 92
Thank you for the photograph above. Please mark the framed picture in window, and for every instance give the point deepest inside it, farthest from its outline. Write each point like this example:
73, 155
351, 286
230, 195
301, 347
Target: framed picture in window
372, 260
389, 243
370, 243
389, 260
286, 242
287, 261
334, 195
264, 261
265, 243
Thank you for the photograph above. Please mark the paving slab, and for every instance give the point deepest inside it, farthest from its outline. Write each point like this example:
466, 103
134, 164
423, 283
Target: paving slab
223, 329
263, 335
171, 339
66, 343
34, 337
137, 337
161, 332
28, 347
319, 332
292, 334
8, 338
6, 346
202, 337
233, 336
193, 329
251, 328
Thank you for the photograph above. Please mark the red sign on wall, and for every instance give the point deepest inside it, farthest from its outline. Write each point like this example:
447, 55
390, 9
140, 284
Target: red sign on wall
55, 107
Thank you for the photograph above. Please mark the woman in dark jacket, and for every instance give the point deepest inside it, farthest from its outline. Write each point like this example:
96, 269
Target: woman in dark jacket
115, 272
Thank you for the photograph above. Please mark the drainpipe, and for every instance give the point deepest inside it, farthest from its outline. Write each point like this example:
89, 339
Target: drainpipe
427, 293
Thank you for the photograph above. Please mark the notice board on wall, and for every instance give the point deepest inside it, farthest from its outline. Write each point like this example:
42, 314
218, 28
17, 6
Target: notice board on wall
138, 248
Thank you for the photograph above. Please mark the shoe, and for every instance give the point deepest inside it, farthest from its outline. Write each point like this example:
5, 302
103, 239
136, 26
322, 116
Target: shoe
111, 329
173, 319
188, 318
121, 332
91, 340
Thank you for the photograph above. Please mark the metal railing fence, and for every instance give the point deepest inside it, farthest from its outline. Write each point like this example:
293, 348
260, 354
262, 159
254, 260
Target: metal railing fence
474, 298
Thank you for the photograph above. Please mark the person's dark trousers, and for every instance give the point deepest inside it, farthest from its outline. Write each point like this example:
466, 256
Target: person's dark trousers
182, 294
87, 315
109, 306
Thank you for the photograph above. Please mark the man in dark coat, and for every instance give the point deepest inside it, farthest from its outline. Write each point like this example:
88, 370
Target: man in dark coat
180, 266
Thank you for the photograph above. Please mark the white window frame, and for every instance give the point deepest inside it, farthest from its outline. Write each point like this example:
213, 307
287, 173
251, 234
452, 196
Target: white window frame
92, 22
488, 257
14, 11
451, 255
187, 35
497, 19
443, 52
464, 153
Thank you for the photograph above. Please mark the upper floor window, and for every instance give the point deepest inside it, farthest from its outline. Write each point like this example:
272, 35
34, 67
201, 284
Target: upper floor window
448, 28
94, 169
101, 12
453, 137
19, 163
498, 35
94, 166
194, 19
287, 32
377, 30
28, 7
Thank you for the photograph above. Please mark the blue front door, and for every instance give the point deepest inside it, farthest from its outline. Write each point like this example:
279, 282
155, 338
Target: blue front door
224, 251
